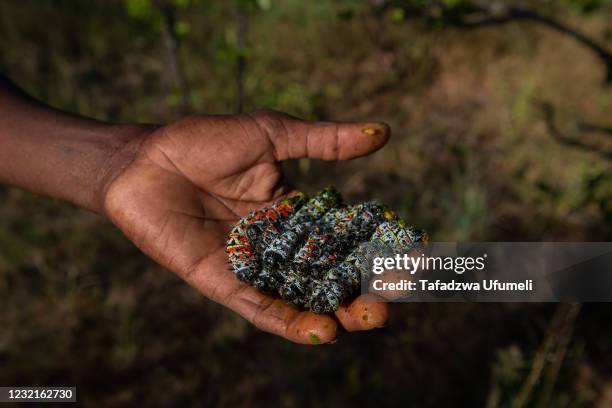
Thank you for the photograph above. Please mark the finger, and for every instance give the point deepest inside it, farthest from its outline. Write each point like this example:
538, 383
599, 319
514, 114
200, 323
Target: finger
275, 316
175, 234
371, 310
294, 138
278, 317
394, 284
366, 312
391, 284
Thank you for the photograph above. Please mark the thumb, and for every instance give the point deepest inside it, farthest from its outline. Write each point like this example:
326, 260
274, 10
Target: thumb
294, 138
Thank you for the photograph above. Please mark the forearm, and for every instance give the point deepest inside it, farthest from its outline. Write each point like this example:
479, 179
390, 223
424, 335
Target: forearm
58, 154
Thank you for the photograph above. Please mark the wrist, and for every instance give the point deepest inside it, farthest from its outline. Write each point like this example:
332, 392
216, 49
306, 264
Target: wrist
64, 156
58, 154
122, 145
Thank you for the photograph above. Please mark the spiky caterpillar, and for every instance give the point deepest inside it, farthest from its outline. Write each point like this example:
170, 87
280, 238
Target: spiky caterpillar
339, 227
309, 253
243, 238
337, 231
344, 279
297, 226
280, 243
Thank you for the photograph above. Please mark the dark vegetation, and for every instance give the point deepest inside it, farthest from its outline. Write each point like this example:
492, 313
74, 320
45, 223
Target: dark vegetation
501, 114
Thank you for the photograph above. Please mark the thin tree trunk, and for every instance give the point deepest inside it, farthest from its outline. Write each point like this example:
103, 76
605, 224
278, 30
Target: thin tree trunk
173, 56
241, 32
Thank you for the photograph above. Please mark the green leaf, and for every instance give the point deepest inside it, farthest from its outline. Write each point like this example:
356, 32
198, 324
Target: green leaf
181, 3
182, 28
264, 4
398, 15
140, 9
585, 6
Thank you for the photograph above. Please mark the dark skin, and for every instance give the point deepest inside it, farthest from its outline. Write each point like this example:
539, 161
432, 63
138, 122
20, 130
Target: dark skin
176, 190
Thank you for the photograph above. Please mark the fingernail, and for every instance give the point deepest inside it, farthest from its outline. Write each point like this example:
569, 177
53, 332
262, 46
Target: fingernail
371, 131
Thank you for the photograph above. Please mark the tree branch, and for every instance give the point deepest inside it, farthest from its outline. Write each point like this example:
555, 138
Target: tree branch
483, 13
549, 116
241, 31
558, 335
172, 54
517, 13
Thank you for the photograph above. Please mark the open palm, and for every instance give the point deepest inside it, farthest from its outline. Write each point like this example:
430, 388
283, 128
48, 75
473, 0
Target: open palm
190, 181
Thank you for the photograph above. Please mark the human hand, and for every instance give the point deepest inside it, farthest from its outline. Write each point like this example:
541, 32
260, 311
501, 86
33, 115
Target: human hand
187, 183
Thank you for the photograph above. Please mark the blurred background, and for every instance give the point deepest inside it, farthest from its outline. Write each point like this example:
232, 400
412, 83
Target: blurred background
502, 121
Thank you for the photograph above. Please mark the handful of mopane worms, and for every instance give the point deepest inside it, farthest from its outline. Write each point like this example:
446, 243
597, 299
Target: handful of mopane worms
314, 252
